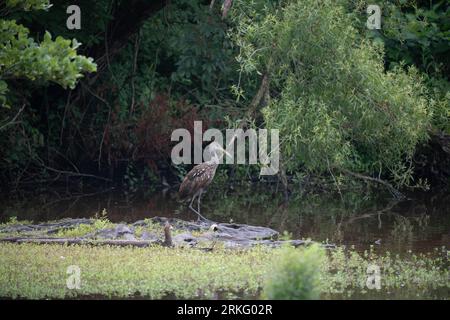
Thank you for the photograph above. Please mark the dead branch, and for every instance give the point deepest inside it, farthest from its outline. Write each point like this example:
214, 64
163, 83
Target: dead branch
396, 193
74, 174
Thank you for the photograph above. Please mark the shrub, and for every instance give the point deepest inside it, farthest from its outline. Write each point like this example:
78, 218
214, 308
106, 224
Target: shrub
333, 102
296, 275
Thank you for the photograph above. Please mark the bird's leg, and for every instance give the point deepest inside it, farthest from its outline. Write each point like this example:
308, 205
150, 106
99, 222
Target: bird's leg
192, 201
198, 202
198, 207
198, 196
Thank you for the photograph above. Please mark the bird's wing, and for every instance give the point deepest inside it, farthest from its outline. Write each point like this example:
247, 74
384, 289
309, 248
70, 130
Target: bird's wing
198, 177
186, 187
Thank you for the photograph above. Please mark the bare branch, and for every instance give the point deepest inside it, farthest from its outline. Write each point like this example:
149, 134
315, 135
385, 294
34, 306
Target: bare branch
12, 121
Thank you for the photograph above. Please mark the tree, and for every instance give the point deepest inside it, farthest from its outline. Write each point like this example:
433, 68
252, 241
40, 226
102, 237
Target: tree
333, 102
21, 57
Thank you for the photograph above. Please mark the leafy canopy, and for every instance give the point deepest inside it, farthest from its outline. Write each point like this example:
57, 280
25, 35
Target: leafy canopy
334, 105
51, 60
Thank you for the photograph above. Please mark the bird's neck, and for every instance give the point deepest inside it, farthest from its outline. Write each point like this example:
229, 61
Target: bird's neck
215, 159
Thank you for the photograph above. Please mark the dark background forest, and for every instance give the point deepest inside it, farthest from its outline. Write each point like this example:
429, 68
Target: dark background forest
350, 103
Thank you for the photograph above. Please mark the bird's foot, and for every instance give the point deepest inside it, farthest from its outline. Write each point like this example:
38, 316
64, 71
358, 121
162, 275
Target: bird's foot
202, 219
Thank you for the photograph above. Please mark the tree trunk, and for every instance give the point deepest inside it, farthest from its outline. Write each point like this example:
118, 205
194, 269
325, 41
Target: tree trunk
128, 16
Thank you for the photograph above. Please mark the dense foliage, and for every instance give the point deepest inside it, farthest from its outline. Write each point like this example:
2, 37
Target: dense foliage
50, 60
416, 33
343, 97
336, 106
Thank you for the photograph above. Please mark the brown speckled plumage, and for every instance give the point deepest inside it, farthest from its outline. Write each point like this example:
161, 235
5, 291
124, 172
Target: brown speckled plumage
199, 178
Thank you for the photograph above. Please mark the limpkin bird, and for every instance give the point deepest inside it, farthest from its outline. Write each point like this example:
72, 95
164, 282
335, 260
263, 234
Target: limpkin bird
201, 176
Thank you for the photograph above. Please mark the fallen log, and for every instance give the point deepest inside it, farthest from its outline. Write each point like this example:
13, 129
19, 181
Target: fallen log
121, 243
190, 234
147, 243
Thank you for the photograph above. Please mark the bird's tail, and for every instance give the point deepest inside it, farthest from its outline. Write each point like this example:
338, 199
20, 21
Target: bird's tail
182, 197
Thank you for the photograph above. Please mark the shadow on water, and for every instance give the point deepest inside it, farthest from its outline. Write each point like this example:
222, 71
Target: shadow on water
419, 224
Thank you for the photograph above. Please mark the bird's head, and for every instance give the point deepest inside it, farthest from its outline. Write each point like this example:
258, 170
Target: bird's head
214, 227
216, 150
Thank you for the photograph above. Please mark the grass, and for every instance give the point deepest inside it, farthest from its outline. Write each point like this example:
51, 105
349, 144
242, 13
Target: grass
40, 271
410, 276
84, 229
37, 271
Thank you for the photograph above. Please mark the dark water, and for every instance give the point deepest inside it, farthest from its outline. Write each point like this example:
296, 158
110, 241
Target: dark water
419, 224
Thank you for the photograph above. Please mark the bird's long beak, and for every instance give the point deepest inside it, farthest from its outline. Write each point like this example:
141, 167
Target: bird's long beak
225, 152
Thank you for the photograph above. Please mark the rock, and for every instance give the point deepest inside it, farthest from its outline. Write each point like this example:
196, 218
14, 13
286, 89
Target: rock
50, 227
184, 239
245, 231
232, 235
122, 229
139, 223
118, 231
102, 234
129, 236
224, 230
16, 228
149, 236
